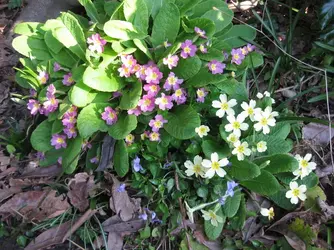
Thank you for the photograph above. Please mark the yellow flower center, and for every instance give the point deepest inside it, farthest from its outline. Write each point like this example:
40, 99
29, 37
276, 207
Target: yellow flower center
154, 76
271, 214
153, 88
295, 192
43, 79
213, 67
70, 79
111, 115
154, 136
236, 125
215, 165
187, 49
172, 80
164, 100
250, 111
197, 169
304, 163
244, 51
224, 106
147, 102
130, 137
60, 140
157, 124
264, 121
202, 130
236, 56
200, 93
178, 93
233, 139
241, 149
213, 215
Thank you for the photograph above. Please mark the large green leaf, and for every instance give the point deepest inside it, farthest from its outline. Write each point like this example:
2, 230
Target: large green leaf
238, 221
81, 95
279, 199
211, 146
252, 60
136, 12
206, 5
278, 163
51, 157
122, 30
41, 137
182, 122
204, 77
121, 159
31, 47
65, 57
264, 184
221, 18
131, 96
91, 10
124, 125
213, 54
71, 155
71, 35
185, 5
214, 232
238, 35
232, 204
204, 24
90, 121
275, 145
28, 28
52, 43
99, 80
243, 170
310, 181
187, 68
234, 89
166, 25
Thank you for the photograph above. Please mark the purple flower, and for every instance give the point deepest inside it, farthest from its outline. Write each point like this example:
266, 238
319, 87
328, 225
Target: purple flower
70, 132
69, 120
50, 91
172, 82
157, 123
216, 67
129, 139
200, 32
250, 47
230, 188
56, 67
124, 71
203, 49
72, 111
226, 55
128, 61
154, 136
146, 103
140, 74
136, 164
121, 188
94, 160
40, 156
33, 106
85, 145
43, 77
136, 111
144, 135
58, 141
68, 80
96, 43
166, 44
116, 94
188, 49
180, 96
152, 89
237, 56
50, 105
143, 216
171, 61
201, 94
32, 92
244, 50
60, 160
164, 102
109, 115
153, 75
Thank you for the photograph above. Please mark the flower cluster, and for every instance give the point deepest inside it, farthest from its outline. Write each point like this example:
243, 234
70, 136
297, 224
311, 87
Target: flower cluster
96, 43
305, 166
69, 120
238, 55
49, 106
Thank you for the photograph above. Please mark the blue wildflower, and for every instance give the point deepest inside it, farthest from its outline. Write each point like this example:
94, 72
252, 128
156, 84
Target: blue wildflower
136, 164
121, 188
143, 216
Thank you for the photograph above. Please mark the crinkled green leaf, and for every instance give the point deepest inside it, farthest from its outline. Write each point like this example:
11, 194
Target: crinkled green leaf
122, 30
41, 137
72, 155
121, 159
242, 170
124, 125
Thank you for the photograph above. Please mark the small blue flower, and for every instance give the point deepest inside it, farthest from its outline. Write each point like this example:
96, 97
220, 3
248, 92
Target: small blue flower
222, 200
121, 188
136, 164
143, 216
167, 164
230, 188
153, 215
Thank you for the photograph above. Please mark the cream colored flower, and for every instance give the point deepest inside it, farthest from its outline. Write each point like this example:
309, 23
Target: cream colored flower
236, 124
296, 192
215, 166
202, 130
268, 212
195, 167
212, 216
233, 138
224, 106
265, 119
305, 166
249, 109
241, 149
261, 146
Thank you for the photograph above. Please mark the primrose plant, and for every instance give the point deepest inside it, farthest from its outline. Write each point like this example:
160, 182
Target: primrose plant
167, 81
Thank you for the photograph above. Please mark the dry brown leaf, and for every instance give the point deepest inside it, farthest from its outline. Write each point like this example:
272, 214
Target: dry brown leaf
317, 133
27, 203
4, 160
115, 224
121, 203
7, 172
8, 192
35, 171
51, 237
115, 241
80, 187
327, 210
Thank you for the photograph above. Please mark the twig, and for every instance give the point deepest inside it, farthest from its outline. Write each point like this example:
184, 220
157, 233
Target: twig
77, 245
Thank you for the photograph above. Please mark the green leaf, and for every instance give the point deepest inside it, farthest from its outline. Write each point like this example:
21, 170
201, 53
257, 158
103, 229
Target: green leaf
194, 245
232, 204
243, 170
131, 96
110, 7
136, 12
41, 137
91, 10
281, 130
71, 35
187, 68
312, 194
65, 57
89, 120
214, 232
185, 5
327, 14
202, 192
210, 146
121, 159
203, 7
122, 30
124, 125
235, 37
81, 95
51, 157
252, 60
166, 25
31, 47
52, 43
279, 199
310, 181
12, 4
57, 127
213, 54
28, 28
204, 24
221, 18
275, 145
143, 47
238, 221
99, 80
203, 78
278, 163
264, 184
182, 122
233, 89
71, 155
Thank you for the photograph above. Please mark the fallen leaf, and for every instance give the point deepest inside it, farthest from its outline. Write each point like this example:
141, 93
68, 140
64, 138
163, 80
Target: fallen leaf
200, 238
115, 241
326, 209
7, 172
317, 133
51, 237
37, 171
294, 241
34, 205
28, 182
121, 203
8, 192
115, 224
4, 160
79, 189
107, 153
98, 242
